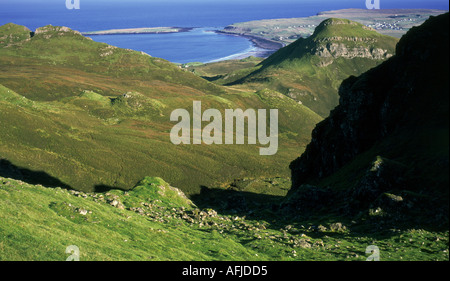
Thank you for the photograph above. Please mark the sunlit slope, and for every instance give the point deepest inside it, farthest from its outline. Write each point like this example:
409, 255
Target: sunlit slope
93, 116
311, 69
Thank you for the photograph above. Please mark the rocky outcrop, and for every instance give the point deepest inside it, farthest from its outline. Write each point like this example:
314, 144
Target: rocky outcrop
335, 38
49, 31
318, 64
336, 50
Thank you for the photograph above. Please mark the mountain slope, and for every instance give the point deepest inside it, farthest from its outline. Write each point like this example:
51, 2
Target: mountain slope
310, 70
389, 134
70, 63
155, 222
77, 113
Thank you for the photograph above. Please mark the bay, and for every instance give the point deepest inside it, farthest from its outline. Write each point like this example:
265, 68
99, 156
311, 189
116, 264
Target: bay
198, 45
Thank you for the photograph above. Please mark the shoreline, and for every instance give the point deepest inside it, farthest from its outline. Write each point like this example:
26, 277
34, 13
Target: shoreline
142, 30
259, 42
263, 47
254, 52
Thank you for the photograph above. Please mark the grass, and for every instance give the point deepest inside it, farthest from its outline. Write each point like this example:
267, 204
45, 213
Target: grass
61, 137
98, 122
219, 70
39, 223
88, 111
301, 72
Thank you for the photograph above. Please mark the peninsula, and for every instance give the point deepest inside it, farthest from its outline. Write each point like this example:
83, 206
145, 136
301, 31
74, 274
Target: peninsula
141, 30
392, 22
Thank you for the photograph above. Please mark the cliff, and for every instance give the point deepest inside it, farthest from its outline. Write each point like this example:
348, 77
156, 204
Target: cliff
390, 130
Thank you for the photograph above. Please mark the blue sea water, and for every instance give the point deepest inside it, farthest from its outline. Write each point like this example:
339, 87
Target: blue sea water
205, 15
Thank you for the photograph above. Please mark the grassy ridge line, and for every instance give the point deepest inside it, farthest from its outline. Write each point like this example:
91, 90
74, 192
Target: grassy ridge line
65, 51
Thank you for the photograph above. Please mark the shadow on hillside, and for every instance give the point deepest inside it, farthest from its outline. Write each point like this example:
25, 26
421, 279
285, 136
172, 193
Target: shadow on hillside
233, 202
102, 188
271, 209
9, 170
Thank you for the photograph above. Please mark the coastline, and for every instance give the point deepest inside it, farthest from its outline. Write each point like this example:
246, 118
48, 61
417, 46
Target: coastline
263, 47
143, 30
259, 42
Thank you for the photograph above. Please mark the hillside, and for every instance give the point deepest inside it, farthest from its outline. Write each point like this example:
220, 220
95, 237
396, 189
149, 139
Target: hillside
86, 115
310, 70
85, 157
383, 152
69, 63
155, 222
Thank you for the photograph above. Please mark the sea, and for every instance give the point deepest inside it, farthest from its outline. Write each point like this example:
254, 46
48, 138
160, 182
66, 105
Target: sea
200, 44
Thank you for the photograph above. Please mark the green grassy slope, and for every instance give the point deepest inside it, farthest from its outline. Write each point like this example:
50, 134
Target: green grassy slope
69, 62
111, 130
219, 70
154, 222
94, 116
11, 34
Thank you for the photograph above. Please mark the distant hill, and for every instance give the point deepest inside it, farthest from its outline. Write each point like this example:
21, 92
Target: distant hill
310, 70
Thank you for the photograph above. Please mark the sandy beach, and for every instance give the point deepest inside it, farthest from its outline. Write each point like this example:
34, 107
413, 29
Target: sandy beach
263, 48
142, 30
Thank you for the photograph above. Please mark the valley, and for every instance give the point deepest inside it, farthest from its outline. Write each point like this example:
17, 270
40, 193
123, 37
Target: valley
86, 156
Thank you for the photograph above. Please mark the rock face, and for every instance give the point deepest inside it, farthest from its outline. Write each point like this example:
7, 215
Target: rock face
348, 45
389, 134
337, 50
339, 38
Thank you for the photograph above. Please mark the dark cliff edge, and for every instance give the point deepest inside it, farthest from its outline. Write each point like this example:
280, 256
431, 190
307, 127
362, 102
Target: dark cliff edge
387, 137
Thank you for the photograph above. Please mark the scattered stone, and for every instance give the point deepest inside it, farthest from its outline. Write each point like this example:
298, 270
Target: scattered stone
337, 227
302, 243
321, 228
